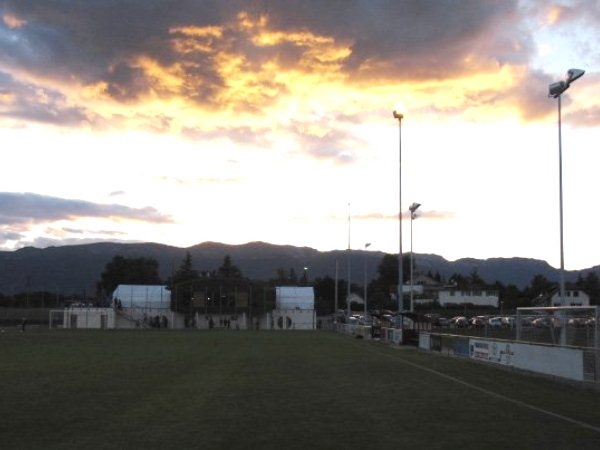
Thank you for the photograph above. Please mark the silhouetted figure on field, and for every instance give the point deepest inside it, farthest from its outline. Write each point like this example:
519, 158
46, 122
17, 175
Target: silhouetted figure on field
23, 324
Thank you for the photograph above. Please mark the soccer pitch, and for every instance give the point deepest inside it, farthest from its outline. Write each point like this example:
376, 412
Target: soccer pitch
284, 390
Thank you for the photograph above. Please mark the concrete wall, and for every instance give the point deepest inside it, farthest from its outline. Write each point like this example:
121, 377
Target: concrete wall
74, 318
294, 319
564, 362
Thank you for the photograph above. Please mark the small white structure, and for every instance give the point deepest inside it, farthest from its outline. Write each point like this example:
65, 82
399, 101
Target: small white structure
477, 297
82, 317
294, 297
572, 298
142, 306
294, 308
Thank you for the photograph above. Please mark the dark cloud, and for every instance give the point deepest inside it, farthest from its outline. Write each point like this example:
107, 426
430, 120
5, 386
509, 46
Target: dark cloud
34, 103
96, 40
27, 208
530, 94
412, 40
9, 235
110, 41
95, 232
43, 241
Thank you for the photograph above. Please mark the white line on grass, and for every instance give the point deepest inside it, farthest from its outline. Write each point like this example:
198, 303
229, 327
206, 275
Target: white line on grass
490, 393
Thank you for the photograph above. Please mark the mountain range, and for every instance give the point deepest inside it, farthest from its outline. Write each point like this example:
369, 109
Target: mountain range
76, 268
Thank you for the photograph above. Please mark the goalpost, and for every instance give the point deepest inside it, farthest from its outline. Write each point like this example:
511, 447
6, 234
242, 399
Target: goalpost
566, 326
560, 325
56, 319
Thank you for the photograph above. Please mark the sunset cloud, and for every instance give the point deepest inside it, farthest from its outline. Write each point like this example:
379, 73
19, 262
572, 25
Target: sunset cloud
28, 208
180, 107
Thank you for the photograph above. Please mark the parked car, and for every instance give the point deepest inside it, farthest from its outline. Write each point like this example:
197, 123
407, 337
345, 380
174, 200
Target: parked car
459, 322
477, 322
526, 321
546, 322
495, 322
577, 322
441, 322
508, 322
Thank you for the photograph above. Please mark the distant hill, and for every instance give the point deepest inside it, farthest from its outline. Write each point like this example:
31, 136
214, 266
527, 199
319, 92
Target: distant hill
76, 268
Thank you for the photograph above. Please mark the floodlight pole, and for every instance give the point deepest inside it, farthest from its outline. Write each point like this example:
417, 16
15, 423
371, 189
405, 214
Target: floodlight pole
561, 275
365, 276
556, 90
413, 209
399, 116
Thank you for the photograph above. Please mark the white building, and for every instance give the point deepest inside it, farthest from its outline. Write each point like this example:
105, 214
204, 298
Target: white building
141, 306
476, 297
294, 308
572, 298
83, 317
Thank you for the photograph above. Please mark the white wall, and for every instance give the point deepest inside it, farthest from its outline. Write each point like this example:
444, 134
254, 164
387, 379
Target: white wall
88, 318
294, 319
479, 298
572, 298
564, 362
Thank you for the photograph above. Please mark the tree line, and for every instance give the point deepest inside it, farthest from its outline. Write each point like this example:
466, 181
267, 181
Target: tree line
186, 281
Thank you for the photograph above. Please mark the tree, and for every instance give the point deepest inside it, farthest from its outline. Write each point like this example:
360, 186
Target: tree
181, 285
386, 285
185, 272
475, 279
388, 270
591, 286
540, 285
228, 270
459, 281
122, 270
325, 294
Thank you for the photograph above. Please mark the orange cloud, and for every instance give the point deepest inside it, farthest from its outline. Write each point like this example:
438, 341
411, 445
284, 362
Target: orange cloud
13, 22
553, 15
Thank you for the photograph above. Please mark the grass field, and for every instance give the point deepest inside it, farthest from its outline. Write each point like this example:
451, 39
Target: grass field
263, 390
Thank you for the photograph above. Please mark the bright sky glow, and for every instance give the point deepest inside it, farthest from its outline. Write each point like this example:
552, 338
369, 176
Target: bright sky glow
183, 122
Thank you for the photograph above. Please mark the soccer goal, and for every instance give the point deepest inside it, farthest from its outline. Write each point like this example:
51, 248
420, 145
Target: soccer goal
56, 319
562, 325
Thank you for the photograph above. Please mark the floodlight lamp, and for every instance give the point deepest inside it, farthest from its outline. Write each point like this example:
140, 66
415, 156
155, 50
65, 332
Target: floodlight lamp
414, 207
573, 74
557, 88
399, 111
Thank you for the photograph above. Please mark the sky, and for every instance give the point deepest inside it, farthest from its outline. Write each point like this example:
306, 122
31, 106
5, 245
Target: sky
182, 122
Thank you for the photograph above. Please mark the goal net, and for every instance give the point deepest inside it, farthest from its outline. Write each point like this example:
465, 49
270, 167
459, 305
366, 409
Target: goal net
564, 325
56, 319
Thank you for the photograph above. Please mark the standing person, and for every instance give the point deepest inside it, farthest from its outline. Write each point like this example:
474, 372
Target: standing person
23, 324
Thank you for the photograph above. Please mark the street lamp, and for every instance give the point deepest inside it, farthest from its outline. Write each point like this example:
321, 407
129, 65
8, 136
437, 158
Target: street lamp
399, 114
555, 90
413, 215
365, 273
